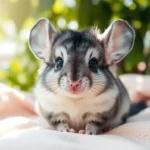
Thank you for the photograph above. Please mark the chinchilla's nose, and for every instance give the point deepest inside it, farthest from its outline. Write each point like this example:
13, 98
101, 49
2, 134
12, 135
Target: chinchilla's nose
73, 85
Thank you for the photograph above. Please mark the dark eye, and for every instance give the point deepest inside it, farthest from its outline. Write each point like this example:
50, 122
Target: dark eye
93, 65
59, 63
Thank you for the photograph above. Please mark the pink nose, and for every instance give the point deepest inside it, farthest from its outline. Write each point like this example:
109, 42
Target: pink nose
74, 85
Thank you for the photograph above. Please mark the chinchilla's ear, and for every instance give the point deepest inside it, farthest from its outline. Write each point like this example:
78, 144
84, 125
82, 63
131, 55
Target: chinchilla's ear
118, 40
41, 36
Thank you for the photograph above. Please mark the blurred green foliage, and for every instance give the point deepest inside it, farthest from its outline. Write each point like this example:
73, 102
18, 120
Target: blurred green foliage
85, 13
23, 71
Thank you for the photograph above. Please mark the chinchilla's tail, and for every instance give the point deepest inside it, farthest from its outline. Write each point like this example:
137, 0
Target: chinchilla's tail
136, 108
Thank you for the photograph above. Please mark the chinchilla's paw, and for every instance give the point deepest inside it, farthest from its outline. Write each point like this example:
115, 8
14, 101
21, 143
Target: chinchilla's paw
64, 127
81, 131
91, 129
71, 130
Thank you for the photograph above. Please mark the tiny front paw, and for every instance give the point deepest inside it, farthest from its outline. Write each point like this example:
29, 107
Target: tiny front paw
91, 130
81, 131
72, 130
63, 127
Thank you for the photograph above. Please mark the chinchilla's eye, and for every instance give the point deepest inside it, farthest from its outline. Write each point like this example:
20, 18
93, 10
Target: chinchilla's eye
59, 63
93, 65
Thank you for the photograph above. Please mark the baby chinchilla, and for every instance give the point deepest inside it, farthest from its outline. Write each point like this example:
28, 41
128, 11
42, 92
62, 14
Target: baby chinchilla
77, 85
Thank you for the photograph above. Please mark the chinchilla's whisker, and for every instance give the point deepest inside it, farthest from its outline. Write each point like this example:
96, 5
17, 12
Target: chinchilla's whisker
51, 84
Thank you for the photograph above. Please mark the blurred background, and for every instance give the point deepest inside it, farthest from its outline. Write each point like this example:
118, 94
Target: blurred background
18, 66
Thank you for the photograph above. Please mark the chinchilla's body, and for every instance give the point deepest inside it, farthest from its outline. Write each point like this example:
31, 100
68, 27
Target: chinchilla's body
78, 86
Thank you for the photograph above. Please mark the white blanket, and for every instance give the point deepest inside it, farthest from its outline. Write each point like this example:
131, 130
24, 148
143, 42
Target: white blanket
22, 129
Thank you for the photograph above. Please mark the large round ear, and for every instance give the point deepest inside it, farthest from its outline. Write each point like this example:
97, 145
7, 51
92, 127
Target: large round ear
40, 40
118, 40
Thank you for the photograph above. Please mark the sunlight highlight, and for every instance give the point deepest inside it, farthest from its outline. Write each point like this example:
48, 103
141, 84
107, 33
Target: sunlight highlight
73, 25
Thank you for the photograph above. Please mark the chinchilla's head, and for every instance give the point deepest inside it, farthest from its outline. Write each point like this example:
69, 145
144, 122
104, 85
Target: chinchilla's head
75, 63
